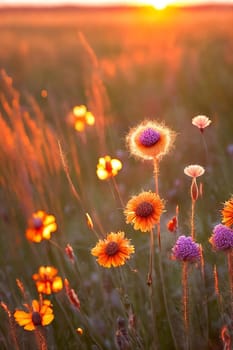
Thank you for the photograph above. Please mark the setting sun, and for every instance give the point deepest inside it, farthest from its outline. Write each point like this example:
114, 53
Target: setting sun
159, 4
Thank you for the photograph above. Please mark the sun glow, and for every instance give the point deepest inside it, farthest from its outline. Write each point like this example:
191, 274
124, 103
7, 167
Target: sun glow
159, 4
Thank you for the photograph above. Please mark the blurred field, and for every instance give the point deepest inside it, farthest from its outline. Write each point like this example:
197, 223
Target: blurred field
125, 65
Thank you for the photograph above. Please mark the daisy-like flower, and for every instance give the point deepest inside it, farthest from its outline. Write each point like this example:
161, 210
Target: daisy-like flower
40, 313
227, 213
222, 237
108, 167
41, 225
47, 281
150, 140
201, 122
194, 171
144, 211
82, 117
114, 250
186, 249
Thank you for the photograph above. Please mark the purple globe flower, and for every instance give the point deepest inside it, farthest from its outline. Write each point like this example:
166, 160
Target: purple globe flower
222, 237
186, 249
149, 137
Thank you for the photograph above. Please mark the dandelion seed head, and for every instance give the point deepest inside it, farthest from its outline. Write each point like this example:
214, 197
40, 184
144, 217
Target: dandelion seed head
150, 140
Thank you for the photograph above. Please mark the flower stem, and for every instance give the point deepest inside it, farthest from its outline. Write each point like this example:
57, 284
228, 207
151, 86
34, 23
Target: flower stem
117, 191
165, 302
151, 259
185, 301
192, 219
156, 177
230, 272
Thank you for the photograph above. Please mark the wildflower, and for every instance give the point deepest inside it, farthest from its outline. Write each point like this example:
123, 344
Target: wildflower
186, 249
227, 213
222, 237
40, 227
82, 117
172, 224
150, 140
108, 167
72, 296
144, 211
40, 313
70, 253
79, 330
201, 122
44, 93
114, 250
194, 171
47, 281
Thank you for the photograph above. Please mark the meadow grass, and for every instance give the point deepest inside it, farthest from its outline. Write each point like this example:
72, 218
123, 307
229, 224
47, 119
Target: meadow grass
125, 66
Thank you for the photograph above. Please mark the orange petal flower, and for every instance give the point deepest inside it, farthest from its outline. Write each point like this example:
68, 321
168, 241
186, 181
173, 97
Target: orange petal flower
201, 122
114, 250
40, 313
172, 224
47, 281
194, 170
108, 167
40, 227
227, 213
144, 211
150, 140
82, 117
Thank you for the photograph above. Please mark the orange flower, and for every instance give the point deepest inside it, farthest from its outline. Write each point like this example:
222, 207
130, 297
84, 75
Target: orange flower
201, 122
172, 224
194, 170
108, 167
227, 213
144, 211
40, 313
150, 140
82, 117
114, 250
47, 281
40, 227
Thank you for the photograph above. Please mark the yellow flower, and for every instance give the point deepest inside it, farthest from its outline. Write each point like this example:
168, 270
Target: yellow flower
40, 313
108, 167
47, 281
150, 140
227, 213
194, 170
144, 211
114, 250
201, 122
82, 117
40, 227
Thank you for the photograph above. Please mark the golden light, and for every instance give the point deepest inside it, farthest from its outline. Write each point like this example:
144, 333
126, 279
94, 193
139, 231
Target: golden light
158, 4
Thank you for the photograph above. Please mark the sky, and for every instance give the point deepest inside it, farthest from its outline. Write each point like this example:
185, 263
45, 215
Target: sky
98, 2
